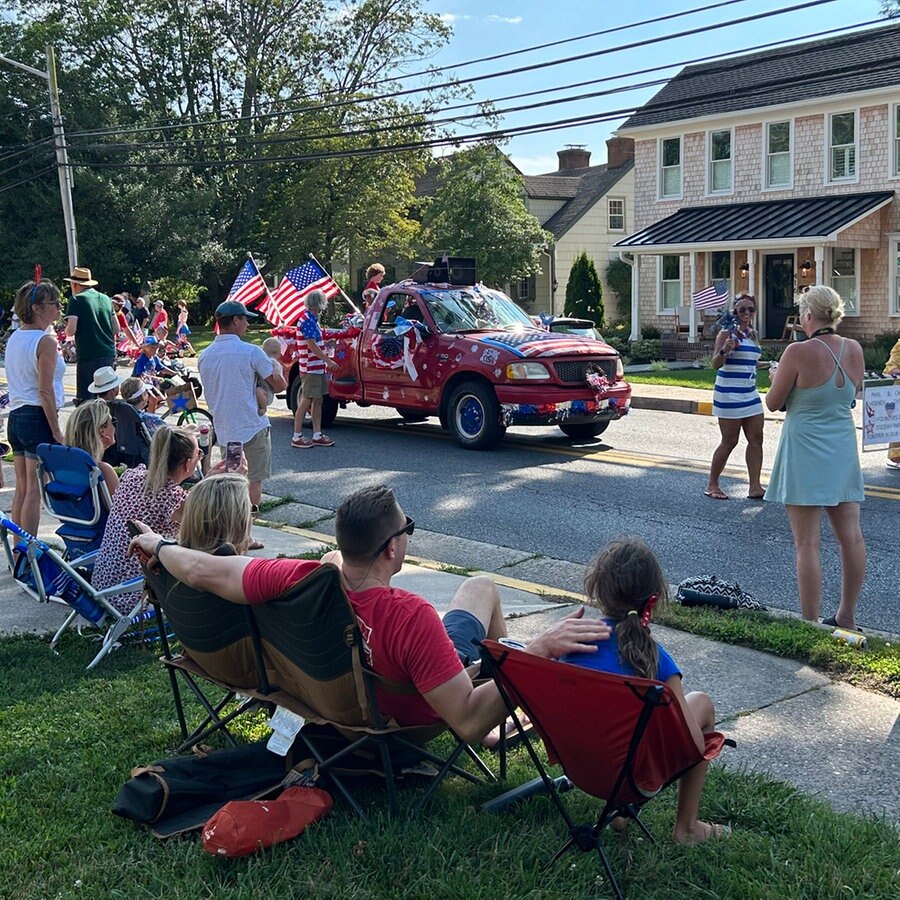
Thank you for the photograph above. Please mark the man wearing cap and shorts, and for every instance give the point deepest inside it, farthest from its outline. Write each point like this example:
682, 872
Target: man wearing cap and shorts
91, 321
228, 368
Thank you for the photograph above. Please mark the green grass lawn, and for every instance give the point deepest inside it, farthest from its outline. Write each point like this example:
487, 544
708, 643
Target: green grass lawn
703, 379
69, 738
203, 337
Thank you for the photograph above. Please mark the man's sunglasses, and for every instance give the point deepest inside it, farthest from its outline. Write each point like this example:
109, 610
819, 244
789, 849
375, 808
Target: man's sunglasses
408, 528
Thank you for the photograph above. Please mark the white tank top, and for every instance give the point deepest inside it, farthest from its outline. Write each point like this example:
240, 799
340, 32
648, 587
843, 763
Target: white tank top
22, 370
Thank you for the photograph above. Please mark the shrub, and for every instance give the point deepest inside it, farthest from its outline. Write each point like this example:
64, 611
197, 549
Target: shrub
584, 293
645, 351
651, 333
618, 279
620, 345
884, 343
171, 290
874, 358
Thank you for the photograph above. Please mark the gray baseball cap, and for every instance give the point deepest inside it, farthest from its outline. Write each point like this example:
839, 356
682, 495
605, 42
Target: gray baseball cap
233, 308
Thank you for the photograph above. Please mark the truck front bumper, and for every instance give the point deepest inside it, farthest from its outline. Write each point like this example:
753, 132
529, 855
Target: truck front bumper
530, 406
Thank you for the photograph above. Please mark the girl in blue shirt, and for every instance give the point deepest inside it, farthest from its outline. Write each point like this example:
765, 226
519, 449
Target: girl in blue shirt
625, 581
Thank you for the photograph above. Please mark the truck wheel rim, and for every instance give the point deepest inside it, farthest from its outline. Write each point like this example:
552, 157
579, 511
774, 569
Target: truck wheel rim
470, 417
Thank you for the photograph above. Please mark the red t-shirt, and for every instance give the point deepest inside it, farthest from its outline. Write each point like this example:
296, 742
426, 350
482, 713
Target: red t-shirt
403, 636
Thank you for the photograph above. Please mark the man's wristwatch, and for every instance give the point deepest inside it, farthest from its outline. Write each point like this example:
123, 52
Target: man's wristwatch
163, 542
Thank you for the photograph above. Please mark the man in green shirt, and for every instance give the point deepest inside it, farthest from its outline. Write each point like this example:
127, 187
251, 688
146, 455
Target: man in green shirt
90, 319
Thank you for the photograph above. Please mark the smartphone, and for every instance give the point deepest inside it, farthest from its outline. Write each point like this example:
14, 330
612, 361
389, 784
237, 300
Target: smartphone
132, 528
234, 452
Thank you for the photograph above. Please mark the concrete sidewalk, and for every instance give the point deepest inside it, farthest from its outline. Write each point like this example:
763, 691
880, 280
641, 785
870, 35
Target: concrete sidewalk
828, 739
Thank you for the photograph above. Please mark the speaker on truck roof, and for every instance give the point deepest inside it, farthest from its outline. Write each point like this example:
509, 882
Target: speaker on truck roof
453, 270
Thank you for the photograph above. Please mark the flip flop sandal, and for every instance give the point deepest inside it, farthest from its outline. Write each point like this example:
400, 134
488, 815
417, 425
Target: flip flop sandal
832, 622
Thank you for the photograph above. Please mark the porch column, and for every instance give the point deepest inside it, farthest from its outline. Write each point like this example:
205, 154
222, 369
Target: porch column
692, 313
820, 265
751, 274
635, 297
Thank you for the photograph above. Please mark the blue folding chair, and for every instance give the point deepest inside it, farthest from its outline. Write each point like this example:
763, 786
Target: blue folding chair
46, 576
73, 491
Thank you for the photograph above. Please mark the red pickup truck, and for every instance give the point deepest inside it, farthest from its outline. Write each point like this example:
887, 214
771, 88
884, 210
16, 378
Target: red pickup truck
472, 357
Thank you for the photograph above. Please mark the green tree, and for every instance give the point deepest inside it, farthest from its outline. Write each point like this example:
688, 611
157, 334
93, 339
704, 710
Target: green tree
584, 293
618, 279
478, 210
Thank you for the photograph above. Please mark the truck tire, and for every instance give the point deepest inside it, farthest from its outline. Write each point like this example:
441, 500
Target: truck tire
411, 415
584, 430
474, 416
329, 411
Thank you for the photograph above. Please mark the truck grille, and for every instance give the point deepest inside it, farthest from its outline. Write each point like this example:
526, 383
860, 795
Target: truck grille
574, 371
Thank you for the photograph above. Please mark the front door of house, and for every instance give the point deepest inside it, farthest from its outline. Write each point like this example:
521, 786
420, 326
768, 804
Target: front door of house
779, 292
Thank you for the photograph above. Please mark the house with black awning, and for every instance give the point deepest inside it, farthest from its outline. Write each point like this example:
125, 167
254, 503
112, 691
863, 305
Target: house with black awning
771, 171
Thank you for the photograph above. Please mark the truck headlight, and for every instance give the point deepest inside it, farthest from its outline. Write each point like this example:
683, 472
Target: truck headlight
620, 369
533, 371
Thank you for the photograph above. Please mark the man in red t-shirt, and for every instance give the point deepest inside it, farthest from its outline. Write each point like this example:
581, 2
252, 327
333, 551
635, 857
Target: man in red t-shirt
405, 639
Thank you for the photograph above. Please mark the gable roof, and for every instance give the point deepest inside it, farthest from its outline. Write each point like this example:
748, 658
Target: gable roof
859, 61
802, 219
582, 187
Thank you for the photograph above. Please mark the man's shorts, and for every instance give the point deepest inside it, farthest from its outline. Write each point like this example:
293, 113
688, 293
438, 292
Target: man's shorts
28, 427
313, 385
466, 632
259, 455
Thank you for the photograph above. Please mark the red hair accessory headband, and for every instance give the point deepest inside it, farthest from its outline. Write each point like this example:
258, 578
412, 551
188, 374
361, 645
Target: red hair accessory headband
37, 281
645, 613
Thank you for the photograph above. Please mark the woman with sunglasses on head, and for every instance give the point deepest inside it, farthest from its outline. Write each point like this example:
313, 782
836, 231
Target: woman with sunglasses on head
817, 463
92, 428
736, 401
34, 371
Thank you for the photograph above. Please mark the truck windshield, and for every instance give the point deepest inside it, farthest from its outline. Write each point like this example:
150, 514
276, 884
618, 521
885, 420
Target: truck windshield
470, 309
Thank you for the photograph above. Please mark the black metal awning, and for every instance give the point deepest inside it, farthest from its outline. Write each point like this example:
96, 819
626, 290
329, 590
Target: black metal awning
786, 223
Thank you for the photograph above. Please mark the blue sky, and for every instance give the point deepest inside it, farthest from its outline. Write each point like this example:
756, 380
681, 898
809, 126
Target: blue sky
485, 27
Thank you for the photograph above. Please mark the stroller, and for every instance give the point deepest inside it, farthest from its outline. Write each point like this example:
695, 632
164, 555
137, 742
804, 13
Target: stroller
45, 576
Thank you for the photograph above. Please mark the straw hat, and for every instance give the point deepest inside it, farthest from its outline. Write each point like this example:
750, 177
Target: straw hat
81, 275
105, 379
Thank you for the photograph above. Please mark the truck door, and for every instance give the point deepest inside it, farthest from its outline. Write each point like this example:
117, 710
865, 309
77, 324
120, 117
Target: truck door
394, 365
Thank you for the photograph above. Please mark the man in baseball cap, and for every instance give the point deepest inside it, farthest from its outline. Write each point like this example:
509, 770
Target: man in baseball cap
91, 321
229, 367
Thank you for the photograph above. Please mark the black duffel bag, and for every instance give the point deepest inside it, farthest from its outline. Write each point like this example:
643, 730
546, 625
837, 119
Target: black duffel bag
710, 590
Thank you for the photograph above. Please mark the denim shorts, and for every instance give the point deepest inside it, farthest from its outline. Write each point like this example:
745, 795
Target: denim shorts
466, 632
28, 427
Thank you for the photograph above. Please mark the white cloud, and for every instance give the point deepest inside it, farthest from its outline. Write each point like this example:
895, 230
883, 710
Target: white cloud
452, 18
535, 165
506, 20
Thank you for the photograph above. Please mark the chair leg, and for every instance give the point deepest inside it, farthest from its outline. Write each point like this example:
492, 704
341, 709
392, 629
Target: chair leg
613, 883
62, 629
119, 627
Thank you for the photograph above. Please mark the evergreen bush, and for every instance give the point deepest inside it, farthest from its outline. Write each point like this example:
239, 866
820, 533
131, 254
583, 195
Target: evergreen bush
584, 293
618, 280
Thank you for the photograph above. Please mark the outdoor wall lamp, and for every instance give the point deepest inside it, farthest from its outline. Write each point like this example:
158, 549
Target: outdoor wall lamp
745, 270
806, 267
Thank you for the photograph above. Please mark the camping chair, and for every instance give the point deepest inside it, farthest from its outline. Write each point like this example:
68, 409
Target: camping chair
132, 446
313, 651
47, 576
618, 738
218, 646
73, 491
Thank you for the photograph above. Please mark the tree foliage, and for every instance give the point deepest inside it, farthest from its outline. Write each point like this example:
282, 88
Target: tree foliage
618, 280
200, 130
584, 293
478, 210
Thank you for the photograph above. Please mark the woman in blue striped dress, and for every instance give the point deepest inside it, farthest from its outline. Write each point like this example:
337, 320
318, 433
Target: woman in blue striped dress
736, 401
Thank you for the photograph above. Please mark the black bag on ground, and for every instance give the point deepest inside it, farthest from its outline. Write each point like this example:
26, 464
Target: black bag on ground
710, 590
177, 795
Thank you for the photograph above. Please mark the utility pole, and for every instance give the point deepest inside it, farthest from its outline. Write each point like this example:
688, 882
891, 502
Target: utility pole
62, 153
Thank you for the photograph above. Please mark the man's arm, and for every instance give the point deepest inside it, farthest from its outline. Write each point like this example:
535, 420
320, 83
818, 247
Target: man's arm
220, 575
316, 350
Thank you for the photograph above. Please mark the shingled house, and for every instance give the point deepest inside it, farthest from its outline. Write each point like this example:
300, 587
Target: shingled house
772, 171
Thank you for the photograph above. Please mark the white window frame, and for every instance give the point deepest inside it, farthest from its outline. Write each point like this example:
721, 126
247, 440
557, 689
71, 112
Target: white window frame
850, 179
660, 170
848, 312
894, 139
894, 274
710, 162
525, 288
765, 156
711, 277
660, 293
609, 213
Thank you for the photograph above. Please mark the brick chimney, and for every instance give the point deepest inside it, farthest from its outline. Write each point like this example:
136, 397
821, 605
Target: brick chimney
573, 157
619, 150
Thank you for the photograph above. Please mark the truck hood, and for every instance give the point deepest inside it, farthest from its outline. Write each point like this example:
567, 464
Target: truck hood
537, 343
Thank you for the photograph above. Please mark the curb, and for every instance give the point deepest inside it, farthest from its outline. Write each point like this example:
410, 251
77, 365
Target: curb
695, 407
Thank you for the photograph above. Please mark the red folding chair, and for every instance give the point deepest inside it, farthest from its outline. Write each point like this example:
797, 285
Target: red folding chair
618, 738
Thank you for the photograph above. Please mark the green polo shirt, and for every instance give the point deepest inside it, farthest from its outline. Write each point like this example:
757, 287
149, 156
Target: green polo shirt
94, 338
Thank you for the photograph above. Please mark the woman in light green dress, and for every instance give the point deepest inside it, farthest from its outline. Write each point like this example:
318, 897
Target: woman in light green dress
817, 463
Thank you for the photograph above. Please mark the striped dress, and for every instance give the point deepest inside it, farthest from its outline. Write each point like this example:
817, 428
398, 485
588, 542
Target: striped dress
735, 395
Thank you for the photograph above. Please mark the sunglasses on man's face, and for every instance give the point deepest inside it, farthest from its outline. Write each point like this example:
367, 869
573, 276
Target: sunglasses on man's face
408, 528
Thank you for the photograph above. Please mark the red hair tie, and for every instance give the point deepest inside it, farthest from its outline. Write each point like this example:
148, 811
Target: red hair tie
649, 603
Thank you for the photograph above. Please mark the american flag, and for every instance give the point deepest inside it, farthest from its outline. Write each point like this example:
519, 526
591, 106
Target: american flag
248, 285
715, 294
290, 298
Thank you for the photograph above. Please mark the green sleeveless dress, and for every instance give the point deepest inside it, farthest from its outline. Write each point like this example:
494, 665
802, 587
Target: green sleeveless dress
817, 462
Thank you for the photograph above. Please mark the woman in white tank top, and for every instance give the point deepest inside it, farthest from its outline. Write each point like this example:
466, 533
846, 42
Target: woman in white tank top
34, 372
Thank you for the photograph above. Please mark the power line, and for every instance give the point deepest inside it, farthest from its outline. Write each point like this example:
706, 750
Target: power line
42, 172
460, 82
47, 154
372, 132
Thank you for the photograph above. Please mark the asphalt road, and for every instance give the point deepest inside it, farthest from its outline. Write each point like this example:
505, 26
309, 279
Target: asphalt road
541, 495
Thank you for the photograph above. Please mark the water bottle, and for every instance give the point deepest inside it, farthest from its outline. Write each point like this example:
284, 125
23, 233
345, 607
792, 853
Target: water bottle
69, 590
203, 439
